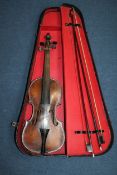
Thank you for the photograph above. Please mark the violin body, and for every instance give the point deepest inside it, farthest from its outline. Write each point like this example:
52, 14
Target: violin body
43, 117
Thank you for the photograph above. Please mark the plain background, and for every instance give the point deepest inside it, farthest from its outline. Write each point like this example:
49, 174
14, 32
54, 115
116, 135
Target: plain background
18, 26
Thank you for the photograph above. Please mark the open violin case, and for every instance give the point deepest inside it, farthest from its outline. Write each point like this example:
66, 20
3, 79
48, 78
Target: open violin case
81, 112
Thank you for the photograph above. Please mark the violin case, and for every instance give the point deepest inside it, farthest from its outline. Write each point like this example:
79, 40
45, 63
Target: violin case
82, 111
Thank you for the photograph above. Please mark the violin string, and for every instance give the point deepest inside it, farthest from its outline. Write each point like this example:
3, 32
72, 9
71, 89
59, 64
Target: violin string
82, 99
88, 74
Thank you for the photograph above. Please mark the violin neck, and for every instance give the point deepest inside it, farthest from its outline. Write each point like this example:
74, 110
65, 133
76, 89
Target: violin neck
45, 98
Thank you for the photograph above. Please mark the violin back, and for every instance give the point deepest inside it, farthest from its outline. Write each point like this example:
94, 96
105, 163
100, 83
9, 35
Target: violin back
82, 111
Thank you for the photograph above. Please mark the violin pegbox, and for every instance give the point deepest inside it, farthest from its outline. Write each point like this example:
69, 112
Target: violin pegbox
47, 44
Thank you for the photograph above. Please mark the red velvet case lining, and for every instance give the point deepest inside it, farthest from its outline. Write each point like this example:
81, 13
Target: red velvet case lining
64, 69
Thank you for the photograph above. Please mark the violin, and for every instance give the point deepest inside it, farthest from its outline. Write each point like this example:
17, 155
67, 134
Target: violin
43, 133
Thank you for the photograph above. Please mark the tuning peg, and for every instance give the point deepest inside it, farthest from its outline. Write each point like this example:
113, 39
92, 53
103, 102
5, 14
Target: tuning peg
42, 44
53, 45
54, 42
41, 47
